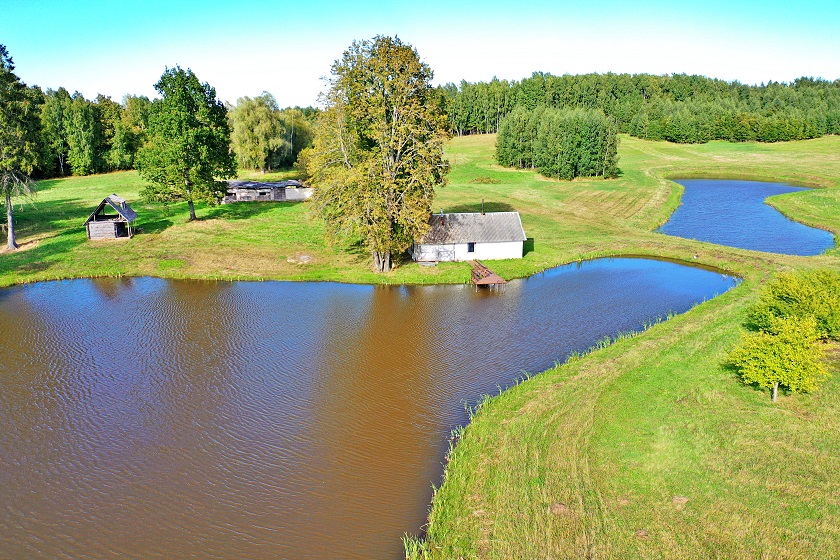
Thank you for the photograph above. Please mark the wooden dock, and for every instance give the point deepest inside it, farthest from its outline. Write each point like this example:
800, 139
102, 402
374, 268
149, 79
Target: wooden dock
483, 276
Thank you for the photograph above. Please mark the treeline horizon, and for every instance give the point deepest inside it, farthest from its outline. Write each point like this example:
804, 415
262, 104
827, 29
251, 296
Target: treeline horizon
83, 136
677, 107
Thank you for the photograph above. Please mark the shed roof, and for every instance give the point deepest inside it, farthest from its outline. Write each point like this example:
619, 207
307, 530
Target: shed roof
117, 203
474, 227
264, 185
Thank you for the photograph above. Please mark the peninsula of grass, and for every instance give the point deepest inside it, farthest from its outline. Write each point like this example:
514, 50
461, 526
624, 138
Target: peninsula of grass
649, 448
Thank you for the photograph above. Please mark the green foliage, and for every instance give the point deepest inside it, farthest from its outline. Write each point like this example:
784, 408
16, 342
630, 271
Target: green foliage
378, 150
813, 294
787, 355
188, 147
677, 107
20, 132
560, 143
55, 115
265, 137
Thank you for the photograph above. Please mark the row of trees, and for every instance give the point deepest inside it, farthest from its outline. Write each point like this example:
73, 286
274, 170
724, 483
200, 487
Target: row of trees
78, 136
562, 143
678, 107
82, 137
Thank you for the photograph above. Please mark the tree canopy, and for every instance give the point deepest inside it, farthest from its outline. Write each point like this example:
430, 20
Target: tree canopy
266, 137
676, 107
560, 143
188, 146
20, 133
378, 149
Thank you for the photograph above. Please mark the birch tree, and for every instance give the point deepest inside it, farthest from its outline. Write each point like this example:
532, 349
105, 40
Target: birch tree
378, 149
20, 132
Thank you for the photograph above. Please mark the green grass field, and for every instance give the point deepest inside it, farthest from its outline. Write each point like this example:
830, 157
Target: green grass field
648, 448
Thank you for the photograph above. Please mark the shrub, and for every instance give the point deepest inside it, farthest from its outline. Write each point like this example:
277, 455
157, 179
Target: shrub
787, 356
806, 294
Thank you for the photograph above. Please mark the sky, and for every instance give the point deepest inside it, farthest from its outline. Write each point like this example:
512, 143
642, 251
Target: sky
243, 48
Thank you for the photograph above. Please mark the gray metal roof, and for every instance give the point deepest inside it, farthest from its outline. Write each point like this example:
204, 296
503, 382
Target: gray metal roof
474, 227
117, 203
264, 185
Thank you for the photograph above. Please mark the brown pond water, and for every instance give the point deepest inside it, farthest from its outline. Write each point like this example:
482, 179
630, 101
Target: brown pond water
144, 418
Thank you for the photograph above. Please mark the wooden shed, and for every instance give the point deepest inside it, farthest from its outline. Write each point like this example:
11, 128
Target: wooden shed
282, 191
111, 220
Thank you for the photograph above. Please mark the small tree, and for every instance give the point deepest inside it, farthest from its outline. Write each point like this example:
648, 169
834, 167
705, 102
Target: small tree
789, 357
20, 132
378, 149
814, 293
188, 146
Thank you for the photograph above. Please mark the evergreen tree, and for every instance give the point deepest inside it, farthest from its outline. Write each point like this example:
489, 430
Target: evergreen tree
20, 133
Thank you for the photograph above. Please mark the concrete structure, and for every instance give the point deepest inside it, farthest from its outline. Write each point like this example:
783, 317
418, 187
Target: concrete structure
104, 225
283, 191
471, 236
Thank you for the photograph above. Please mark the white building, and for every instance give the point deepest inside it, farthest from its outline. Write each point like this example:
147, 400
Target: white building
471, 236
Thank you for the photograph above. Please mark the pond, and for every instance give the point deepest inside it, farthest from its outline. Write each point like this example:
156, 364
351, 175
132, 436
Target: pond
182, 419
733, 213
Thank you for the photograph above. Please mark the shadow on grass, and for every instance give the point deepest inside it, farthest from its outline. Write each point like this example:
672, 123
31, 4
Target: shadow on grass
489, 206
40, 258
244, 210
528, 246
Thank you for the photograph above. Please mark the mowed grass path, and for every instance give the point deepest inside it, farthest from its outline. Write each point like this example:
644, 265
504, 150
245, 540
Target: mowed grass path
649, 448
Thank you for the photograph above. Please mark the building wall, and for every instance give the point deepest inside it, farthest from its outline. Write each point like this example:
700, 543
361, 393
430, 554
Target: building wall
459, 251
102, 230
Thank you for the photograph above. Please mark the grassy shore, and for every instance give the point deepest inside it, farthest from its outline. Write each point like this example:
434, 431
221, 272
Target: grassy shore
649, 448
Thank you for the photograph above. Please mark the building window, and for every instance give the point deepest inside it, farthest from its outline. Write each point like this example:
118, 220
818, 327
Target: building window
470, 247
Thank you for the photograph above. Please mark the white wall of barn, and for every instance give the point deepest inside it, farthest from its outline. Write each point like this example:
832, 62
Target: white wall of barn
460, 251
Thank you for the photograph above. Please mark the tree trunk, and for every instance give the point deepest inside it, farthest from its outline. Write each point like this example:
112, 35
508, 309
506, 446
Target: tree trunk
381, 261
10, 224
775, 390
61, 163
190, 200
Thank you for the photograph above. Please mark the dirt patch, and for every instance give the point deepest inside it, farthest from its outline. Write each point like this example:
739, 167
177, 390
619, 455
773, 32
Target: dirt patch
300, 259
679, 502
560, 509
642, 534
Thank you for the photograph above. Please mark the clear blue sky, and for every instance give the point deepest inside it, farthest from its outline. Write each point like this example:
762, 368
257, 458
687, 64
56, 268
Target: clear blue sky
246, 47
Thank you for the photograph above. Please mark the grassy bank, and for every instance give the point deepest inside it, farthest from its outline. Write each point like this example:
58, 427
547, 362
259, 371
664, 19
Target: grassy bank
648, 448
651, 448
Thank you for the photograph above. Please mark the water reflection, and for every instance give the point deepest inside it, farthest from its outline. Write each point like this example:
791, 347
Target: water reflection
148, 418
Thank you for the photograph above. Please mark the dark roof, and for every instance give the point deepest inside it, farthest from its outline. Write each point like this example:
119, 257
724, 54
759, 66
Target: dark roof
117, 203
474, 228
263, 185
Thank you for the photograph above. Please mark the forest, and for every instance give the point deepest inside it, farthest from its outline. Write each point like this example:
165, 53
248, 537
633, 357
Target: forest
83, 137
678, 107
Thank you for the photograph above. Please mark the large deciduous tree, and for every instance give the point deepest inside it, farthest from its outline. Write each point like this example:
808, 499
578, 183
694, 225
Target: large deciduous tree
258, 132
188, 146
378, 149
20, 132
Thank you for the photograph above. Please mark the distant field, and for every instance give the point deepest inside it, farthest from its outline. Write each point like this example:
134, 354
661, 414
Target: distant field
649, 448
